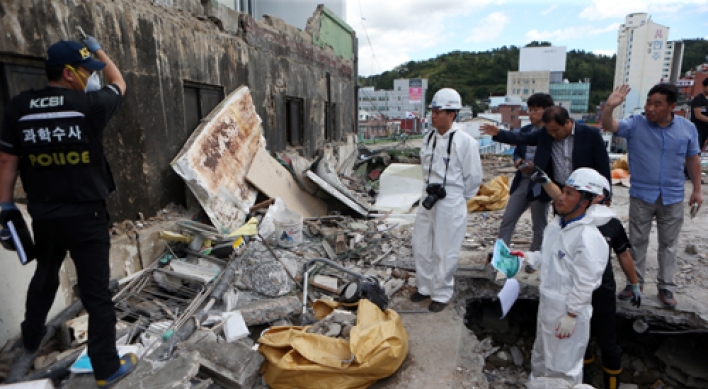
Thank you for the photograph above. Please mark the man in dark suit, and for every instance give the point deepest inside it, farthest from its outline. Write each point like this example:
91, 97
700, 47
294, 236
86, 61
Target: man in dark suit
522, 196
562, 146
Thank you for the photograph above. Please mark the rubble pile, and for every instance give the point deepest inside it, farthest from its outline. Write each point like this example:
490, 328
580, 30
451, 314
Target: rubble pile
235, 270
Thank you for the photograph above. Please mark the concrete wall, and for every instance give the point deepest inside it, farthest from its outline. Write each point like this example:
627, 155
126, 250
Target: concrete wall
160, 45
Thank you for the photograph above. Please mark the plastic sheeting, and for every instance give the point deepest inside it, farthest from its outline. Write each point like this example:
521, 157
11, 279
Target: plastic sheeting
492, 196
295, 359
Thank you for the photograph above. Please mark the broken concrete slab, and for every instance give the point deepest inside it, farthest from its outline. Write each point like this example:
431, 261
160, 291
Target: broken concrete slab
269, 278
230, 365
268, 311
216, 158
173, 374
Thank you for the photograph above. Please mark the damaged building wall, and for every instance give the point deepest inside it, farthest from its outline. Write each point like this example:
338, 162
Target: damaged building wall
179, 59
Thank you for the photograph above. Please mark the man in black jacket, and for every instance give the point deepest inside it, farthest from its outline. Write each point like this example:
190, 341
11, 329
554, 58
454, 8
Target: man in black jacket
54, 138
522, 193
562, 146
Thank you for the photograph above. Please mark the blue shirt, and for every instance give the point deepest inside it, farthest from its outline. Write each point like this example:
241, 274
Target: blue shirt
657, 155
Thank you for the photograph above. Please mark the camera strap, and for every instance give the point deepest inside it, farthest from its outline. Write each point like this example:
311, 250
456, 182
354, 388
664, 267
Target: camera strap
432, 157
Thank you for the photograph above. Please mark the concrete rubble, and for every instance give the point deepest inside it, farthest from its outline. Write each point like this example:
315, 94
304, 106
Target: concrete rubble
195, 292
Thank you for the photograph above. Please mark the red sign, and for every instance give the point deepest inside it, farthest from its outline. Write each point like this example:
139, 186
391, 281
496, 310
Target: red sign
415, 90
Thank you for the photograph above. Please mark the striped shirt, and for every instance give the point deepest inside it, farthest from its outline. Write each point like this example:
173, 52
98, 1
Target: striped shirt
562, 155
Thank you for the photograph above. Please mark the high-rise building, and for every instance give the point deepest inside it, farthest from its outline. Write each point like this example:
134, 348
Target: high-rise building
645, 58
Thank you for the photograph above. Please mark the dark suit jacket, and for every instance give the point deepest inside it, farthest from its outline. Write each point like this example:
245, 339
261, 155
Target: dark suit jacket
520, 153
588, 150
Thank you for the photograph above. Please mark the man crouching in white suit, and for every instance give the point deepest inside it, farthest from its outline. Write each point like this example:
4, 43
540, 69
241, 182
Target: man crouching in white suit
572, 260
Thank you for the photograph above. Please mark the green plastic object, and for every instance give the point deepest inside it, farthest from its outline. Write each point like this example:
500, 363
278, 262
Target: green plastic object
168, 334
504, 261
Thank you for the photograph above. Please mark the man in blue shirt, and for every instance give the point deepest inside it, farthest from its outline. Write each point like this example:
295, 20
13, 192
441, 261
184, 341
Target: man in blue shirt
658, 144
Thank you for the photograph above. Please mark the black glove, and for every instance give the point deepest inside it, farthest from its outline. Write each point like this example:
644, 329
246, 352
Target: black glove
539, 176
9, 212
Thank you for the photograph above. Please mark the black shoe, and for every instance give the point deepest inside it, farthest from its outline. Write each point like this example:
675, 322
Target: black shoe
667, 298
436, 306
417, 297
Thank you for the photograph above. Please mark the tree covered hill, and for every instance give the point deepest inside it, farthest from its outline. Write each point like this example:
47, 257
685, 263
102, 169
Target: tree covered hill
478, 74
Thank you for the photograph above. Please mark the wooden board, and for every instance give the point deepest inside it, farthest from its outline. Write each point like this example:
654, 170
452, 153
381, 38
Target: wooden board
274, 180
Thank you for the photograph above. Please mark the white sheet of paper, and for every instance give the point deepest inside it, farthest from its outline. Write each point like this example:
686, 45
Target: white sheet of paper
508, 295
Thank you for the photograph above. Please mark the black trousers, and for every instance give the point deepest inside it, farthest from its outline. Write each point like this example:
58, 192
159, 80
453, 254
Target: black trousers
87, 239
603, 328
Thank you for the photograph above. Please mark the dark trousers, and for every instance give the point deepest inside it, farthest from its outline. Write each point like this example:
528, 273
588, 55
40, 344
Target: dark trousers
603, 328
87, 239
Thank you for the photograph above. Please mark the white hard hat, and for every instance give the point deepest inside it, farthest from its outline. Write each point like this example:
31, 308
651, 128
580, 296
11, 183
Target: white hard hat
586, 180
446, 98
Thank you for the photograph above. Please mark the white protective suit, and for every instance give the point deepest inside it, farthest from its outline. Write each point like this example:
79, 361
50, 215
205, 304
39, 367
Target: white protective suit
571, 262
438, 233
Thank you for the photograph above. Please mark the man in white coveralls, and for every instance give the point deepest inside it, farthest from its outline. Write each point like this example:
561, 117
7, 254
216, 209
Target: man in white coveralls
452, 173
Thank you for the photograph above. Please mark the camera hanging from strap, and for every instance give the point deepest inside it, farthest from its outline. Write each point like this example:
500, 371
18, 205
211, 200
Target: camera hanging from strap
432, 157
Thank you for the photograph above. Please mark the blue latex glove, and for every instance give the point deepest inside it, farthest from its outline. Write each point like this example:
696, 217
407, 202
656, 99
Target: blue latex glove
636, 295
91, 44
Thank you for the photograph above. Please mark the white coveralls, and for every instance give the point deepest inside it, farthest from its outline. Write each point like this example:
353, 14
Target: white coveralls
571, 261
438, 233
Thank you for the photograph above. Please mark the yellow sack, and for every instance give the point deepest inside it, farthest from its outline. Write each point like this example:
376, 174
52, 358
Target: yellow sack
491, 196
295, 359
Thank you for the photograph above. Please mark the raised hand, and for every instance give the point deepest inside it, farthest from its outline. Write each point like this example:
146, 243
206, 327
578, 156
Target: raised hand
618, 96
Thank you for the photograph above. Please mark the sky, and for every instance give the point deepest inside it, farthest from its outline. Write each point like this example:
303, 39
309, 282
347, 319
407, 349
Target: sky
393, 32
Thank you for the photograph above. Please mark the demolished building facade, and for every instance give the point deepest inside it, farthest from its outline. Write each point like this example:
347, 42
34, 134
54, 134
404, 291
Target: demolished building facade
180, 58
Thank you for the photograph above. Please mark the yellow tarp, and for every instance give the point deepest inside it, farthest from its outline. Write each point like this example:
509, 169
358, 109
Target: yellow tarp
295, 359
621, 163
491, 196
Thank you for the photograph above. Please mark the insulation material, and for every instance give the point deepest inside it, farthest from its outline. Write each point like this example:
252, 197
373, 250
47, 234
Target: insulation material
216, 158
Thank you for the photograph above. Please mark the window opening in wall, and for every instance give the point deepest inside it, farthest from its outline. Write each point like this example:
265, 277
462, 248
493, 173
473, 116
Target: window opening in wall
18, 77
294, 125
331, 121
199, 100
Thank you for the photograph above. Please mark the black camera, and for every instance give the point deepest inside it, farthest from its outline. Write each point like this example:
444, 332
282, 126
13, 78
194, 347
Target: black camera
435, 193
